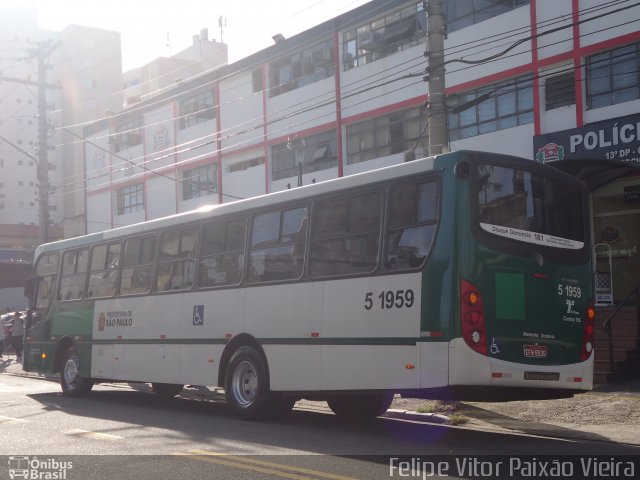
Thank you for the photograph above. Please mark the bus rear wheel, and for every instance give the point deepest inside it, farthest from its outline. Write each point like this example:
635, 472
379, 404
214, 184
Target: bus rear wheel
246, 384
72, 383
360, 406
166, 390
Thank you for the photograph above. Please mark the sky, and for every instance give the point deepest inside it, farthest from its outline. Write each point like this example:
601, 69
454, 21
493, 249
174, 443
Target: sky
151, 29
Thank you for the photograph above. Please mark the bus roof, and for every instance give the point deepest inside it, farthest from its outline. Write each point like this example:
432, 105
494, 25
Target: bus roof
292, 195
249, 204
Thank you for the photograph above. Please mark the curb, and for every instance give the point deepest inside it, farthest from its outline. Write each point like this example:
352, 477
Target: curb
416, 416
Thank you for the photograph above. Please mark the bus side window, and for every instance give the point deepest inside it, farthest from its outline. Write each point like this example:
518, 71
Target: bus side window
45, 284
46, 270
137, 265
74, 271
412, 224
278, 245
104, 270
346, 234
222, 257
177, 259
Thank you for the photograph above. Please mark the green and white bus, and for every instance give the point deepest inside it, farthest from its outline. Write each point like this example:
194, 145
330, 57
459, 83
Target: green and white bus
453, 274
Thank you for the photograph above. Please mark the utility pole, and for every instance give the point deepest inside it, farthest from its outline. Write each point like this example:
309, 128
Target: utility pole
436, 111
43, 156
42, 52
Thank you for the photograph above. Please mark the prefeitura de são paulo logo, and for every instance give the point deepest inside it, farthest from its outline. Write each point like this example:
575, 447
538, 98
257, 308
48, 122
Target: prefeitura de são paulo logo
33, 468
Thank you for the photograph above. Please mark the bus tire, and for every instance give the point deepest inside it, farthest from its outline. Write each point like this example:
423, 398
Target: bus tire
360, 406
246, 384
166, 390
72, 383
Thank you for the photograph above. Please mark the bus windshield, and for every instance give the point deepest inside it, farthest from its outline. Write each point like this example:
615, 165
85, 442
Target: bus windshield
523, 206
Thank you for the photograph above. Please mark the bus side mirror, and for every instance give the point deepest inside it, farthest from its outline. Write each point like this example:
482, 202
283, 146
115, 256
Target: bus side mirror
30, 290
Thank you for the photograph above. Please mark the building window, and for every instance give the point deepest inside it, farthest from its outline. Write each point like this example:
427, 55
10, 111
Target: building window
559, 91
304, 155
130, 199
197, 109
396, 31
127, 135
301, 68
200, 182
256, 80
383, 136
463, 13
613, 77
493, 108
245, 164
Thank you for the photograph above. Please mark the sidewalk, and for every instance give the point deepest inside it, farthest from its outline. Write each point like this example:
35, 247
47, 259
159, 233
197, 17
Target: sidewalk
608, 414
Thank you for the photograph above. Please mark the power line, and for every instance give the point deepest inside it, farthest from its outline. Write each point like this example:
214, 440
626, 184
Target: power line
182, 94
293, 113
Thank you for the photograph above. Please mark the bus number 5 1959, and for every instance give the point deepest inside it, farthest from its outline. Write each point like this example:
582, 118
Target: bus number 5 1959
390, 299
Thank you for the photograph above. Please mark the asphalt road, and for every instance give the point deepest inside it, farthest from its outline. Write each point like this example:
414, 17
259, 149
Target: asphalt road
117, 432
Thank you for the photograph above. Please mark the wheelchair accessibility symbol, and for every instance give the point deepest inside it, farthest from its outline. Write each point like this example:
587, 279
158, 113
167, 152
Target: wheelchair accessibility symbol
494, 348
198, 314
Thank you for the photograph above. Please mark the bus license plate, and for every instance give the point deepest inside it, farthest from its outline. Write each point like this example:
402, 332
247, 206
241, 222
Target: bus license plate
548, 376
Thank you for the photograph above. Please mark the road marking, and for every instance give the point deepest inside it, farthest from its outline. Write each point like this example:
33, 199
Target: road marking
261, 466
5, 419
95, 435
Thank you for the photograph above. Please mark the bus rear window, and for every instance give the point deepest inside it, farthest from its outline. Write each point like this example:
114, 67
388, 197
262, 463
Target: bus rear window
523, 206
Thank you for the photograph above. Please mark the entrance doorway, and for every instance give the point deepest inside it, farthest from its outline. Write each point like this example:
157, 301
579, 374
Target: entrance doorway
616, 223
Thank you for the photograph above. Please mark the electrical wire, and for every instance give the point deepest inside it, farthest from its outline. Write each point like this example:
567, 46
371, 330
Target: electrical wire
373, 86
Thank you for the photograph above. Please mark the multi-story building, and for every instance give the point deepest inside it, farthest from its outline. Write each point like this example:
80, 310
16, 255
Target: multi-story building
524, 77
82, 65
202, 55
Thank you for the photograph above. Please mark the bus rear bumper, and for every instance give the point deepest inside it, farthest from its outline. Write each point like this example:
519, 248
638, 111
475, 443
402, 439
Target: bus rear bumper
469, 368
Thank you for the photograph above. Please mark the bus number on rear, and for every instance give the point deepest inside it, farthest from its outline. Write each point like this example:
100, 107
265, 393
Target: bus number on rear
388, 299
569, 291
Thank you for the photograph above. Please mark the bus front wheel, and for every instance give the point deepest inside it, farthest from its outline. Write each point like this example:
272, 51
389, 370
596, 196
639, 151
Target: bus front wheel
357, 407
246, 384
72, 383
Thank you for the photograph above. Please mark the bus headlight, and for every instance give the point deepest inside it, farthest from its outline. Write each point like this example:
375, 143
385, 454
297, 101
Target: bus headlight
475, 336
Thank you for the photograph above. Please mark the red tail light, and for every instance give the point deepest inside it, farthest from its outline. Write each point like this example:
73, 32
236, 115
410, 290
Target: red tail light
474, 330
588, 332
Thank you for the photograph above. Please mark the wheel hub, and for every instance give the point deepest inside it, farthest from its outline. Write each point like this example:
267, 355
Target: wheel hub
245, 383
71, 371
